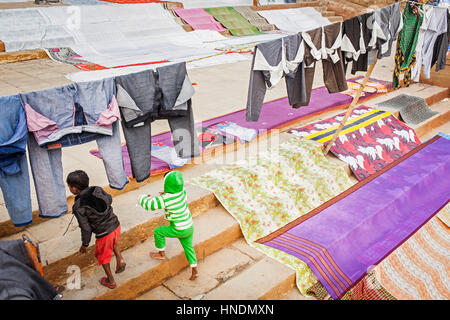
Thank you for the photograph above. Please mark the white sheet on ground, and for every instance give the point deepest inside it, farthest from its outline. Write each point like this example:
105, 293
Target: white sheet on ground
214, 3
22, 29
295, 20
106, 35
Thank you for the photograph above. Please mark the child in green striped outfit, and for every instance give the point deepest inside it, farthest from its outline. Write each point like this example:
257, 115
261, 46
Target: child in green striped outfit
174, 202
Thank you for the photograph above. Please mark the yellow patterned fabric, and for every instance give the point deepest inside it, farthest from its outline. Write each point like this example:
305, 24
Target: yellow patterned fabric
269, 190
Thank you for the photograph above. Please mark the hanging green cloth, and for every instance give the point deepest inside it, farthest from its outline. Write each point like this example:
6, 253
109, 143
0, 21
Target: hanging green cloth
233, 21
406, 45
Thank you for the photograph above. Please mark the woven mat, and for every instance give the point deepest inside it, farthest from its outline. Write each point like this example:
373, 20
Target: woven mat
413, 110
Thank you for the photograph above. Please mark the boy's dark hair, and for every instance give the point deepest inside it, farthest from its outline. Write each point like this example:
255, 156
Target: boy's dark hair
78, 179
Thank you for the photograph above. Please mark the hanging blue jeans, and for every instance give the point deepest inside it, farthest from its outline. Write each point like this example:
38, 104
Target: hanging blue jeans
47, 169
14, 177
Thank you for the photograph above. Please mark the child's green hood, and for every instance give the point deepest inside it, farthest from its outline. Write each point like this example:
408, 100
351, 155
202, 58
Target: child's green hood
173, 182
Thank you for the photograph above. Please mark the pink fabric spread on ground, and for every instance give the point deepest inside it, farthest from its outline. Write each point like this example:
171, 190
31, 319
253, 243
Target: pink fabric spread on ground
199, 19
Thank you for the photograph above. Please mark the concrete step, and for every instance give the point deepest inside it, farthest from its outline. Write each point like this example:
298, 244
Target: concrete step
214, 271
442, 118
267, 279
236, 272
213, 230
327, 13
436, 98
445, 128
60, 251
208, 289
333, 19
431, 94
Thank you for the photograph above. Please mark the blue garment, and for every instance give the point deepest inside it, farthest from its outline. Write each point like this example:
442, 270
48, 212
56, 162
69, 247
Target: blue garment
71, 109
47, 169
14, 176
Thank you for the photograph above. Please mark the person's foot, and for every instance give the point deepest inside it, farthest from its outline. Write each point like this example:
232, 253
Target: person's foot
194, 274
160, 255
121, 266
104, 282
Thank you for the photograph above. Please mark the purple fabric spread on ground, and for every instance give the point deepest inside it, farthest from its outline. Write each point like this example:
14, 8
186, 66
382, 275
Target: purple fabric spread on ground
273, 114
344, 237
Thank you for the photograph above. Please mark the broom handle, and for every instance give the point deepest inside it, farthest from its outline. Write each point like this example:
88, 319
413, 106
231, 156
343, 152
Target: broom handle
351, 107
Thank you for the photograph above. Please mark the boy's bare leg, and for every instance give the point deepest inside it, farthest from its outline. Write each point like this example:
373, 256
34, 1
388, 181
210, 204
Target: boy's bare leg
160, 255
120, 266
194, 273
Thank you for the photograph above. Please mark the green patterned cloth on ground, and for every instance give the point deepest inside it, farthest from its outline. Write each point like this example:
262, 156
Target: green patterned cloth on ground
272, 188
233, 21
255, 19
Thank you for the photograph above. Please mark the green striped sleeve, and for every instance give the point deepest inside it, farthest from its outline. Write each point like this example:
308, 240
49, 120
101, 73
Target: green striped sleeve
151, 203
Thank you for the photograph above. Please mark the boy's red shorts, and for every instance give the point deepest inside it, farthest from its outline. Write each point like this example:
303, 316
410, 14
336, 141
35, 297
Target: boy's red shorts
104, 246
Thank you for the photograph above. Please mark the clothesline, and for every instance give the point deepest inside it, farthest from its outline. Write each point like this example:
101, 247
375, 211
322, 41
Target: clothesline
229, 50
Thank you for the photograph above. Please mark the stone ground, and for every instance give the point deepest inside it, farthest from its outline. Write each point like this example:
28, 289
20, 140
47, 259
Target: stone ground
221, 273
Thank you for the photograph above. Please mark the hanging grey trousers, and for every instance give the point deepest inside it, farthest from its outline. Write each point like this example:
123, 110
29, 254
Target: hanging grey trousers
260, 80
151, 95
139, 142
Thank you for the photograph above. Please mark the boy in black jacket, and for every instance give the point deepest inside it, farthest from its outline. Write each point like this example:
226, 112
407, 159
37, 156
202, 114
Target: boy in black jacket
92, 208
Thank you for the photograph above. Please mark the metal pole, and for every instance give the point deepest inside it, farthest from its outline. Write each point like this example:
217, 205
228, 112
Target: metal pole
351, 107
